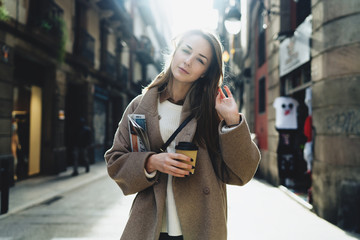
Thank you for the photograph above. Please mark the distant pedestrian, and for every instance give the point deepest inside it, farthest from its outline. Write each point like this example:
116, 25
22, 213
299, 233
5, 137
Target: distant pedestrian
181, 195
81, 150
15, 146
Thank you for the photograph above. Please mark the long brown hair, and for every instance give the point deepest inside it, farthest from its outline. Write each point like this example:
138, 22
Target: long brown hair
202, 93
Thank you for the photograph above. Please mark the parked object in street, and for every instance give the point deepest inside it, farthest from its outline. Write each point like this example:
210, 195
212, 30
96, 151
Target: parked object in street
6, 174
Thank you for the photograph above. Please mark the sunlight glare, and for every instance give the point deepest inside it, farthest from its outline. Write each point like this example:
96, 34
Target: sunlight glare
188, 14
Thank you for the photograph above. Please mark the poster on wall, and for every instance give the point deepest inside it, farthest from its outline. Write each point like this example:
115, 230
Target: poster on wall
295, 51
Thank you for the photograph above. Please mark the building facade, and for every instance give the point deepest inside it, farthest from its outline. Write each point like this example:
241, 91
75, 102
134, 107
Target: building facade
305, 53
62, 60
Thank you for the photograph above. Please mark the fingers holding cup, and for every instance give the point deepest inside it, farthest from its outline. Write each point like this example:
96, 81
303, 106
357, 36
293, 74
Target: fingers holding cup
188, 149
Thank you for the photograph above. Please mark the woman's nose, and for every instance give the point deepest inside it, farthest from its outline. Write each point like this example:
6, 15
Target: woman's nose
187, 61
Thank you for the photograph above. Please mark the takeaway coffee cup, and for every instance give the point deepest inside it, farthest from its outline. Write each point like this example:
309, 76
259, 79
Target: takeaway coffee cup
189, 149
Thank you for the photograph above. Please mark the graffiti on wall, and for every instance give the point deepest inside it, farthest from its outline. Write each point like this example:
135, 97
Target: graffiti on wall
345, 122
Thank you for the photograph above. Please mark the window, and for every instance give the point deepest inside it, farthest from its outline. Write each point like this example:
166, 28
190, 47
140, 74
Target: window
292, 14
262, 95
303, 9
298, 79
261, 41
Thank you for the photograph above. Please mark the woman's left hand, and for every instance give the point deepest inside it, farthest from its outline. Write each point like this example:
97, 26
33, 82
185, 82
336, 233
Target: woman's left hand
227, 107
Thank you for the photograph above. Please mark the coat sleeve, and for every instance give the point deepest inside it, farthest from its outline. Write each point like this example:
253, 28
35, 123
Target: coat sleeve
123, 165
239, 153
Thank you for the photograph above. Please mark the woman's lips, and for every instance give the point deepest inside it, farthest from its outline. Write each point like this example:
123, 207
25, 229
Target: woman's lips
183, 70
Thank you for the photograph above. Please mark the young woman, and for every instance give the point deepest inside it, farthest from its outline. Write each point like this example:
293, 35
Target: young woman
172, 203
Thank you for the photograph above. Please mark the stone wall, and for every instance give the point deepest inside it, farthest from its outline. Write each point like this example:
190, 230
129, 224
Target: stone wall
336, 105
6, 99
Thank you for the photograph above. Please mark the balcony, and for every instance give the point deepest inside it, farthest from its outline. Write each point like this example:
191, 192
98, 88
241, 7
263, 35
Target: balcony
110, 66
51, 24
123, 79
46, 19
145, 51
84, 50
87, 47
45, 26
120, 15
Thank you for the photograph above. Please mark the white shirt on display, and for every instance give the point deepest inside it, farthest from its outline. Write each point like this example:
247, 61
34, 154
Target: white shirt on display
286, 113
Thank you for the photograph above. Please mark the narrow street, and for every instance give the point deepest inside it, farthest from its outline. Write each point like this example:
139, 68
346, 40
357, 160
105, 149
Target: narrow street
73, 71
259, 211
98, 210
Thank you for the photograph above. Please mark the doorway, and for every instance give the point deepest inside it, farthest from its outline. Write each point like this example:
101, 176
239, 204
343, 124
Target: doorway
26, 118
297, 85
75, 108
31, 77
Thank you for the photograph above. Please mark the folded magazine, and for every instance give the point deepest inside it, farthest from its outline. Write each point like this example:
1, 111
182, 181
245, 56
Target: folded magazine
137, 131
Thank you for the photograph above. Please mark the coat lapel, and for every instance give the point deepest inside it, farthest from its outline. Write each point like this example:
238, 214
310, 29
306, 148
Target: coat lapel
148, 107
187, 134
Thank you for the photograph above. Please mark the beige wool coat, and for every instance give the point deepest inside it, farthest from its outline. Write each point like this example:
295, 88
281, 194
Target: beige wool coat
200, 198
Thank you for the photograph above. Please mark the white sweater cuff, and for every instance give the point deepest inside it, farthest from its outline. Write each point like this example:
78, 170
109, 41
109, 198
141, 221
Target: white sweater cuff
150, 175
226, 129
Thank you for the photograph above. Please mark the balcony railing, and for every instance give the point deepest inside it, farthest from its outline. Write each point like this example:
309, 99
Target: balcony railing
145, 50
86, 47
124, 75
110, 66
47, 20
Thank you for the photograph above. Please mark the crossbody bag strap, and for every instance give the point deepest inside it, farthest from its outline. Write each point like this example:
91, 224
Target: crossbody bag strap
171, 138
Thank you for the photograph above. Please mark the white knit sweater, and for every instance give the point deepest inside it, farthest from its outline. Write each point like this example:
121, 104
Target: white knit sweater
169, 121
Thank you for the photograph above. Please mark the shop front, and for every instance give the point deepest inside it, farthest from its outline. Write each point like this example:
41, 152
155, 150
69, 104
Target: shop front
36, 132
27, 115
293, 120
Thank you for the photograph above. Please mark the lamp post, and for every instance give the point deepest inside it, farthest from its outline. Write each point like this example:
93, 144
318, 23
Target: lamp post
232, 22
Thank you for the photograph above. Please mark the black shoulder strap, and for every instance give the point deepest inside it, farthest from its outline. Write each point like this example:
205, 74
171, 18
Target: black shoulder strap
171, 138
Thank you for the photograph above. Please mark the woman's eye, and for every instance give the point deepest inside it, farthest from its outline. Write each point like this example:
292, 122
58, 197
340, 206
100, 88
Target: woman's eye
186, 51
200, 60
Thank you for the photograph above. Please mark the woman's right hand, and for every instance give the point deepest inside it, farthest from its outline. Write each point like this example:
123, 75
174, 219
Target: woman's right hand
169, 163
